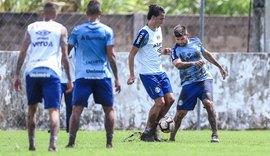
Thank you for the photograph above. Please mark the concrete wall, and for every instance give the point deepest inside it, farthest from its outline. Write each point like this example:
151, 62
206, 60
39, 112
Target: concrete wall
242, 101
222, 34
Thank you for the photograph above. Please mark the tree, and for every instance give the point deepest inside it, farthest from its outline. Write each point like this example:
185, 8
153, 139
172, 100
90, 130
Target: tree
172, 7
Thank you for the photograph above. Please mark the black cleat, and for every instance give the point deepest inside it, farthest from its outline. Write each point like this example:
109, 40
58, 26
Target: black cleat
32, 148
70, 145
147, 137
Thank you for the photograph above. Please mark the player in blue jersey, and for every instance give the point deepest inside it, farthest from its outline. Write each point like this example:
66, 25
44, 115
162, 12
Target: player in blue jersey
47, 41
196, 81
148, 48
95, 59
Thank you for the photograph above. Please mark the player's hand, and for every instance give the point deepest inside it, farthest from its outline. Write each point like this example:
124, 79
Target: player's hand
117, 86
69, 87
223, 73
17, 83
131, 80
167, 51
199, 63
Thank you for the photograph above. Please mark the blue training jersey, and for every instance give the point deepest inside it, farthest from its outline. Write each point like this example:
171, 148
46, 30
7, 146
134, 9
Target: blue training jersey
191, 52
90, 40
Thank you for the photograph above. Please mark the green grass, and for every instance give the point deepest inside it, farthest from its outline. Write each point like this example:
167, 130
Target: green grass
232, 143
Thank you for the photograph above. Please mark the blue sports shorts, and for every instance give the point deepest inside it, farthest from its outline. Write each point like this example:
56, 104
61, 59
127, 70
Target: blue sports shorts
101, 89
43, 82
190, 92
156, 85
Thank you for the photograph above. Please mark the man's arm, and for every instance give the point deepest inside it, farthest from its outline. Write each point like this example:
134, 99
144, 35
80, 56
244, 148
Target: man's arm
23, 50
131, 57
209, 57
112, 59
184, 65
64, 60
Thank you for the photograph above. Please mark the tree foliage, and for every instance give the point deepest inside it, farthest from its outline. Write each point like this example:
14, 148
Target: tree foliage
172, 7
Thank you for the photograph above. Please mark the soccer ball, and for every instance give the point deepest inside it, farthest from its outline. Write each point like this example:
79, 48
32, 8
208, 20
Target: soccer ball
166, 124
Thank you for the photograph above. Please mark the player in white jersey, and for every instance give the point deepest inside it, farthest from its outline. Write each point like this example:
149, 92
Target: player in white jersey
47, 41
148, 47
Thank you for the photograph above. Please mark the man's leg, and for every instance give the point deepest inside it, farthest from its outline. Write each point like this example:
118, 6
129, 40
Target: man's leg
54, 127
31, 125
109, 123
180, 114
169, 100
148, 134
74, 124
209, 106
68, 101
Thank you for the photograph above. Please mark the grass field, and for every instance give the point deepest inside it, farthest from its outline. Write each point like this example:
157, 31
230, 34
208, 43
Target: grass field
232, 143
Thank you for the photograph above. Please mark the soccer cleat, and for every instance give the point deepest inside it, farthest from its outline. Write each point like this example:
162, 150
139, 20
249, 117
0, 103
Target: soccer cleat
147, 137
52, 149
109, 146
32, 148
214, 138
70, 145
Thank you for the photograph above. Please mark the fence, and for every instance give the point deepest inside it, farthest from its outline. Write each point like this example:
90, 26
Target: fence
222, 34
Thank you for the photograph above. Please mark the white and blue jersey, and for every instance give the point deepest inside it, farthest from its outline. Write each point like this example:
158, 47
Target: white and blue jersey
44, 50
155, 81
90, 40
192, 51
43, 67
149, 43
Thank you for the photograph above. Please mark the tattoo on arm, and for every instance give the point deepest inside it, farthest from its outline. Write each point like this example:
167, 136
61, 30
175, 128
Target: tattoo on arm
26, 42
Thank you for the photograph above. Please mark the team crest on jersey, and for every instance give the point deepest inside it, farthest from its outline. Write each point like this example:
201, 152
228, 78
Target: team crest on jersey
43, 32
157, 89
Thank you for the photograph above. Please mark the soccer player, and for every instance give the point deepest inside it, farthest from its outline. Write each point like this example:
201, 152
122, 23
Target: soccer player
64, 80
95, 59
47, 40
148, 47
196, 81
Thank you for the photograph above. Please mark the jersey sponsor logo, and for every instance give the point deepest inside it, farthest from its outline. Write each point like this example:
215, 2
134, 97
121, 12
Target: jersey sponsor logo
39, 75
94, 62
140, 37
43, 32
157, 45
88, 37
94, 71
43, 44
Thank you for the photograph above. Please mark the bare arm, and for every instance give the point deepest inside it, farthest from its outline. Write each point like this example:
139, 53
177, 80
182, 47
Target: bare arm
112, 59
184, 65
209, 57
23, 50
64, 60
131, 57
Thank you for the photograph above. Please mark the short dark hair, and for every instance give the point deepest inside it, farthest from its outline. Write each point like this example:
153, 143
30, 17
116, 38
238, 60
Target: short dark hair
93, 7
154, 10
50, 7
180, 30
